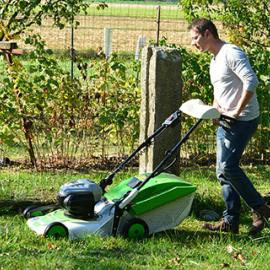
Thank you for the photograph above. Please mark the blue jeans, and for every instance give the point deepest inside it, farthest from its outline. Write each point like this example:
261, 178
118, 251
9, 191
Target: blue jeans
231, 143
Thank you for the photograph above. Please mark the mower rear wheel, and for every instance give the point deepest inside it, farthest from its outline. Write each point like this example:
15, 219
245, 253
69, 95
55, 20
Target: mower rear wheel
136, 229
36, 211
56, 230
31, 211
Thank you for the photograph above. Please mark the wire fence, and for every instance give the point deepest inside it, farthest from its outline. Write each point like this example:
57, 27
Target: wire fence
127, 24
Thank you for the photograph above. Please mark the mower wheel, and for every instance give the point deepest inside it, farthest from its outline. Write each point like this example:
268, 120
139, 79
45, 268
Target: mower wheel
31, 211
56, 230
35, 211
136, 229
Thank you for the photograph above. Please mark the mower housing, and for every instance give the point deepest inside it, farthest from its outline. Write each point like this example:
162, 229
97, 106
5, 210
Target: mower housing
79, 197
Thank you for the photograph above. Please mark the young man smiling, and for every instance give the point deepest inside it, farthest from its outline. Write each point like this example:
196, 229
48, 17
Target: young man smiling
234, 83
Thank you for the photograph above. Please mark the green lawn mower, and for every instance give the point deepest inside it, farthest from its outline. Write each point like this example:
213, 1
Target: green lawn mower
135, 208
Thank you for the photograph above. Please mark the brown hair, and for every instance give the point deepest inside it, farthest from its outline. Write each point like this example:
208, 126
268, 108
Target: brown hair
202, 25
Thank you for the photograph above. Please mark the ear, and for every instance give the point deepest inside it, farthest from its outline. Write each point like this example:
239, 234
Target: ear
206, 33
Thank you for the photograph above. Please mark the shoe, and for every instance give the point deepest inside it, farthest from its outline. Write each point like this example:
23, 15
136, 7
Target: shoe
259, 219
222, 226
264, 211
258, 224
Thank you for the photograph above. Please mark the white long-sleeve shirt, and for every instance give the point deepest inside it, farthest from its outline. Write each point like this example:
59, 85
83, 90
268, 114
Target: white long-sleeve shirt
231, 74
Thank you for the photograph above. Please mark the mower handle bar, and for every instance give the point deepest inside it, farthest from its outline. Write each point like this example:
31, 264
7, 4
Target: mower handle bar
172, 151
127, 198
170, 121
169, 154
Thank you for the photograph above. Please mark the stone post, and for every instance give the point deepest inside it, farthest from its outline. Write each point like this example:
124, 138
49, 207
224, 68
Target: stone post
161, 95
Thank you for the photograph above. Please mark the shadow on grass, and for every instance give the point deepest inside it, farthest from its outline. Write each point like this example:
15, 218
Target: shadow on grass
202, 202
187, 236
12, 207
139, 251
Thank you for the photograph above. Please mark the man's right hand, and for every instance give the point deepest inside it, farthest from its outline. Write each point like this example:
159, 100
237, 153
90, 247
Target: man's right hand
215, 122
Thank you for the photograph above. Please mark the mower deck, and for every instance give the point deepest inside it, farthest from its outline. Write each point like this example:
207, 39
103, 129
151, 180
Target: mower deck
162, 204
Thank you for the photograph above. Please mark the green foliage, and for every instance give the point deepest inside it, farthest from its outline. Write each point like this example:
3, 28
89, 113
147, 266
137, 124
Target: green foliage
44, 109
17, 16
117, 99
195, 76
196, 84
30, 92
24, 93
101, 103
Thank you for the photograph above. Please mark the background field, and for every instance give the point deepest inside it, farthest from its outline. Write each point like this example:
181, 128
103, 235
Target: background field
128, 23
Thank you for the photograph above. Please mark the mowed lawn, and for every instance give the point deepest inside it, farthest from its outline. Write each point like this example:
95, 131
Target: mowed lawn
185, 247
136, 10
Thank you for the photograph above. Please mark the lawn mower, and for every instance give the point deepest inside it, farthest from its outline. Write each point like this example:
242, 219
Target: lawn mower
136, 207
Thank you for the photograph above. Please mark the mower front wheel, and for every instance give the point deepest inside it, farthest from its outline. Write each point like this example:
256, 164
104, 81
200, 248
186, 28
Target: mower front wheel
135, 229
56, 230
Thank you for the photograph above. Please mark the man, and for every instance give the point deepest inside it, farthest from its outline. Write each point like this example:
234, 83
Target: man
234, 84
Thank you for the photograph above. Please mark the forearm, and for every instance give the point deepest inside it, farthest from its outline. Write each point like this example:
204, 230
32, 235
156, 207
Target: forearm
216, 105
243, 101
240, 106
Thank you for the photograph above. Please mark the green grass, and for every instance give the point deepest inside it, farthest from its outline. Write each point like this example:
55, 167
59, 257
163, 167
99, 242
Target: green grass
186, 247
140, 12
142, 2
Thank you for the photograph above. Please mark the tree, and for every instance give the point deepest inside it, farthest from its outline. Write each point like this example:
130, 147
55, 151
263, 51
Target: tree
16, 16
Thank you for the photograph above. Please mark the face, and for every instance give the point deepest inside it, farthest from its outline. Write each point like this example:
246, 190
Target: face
198, 40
